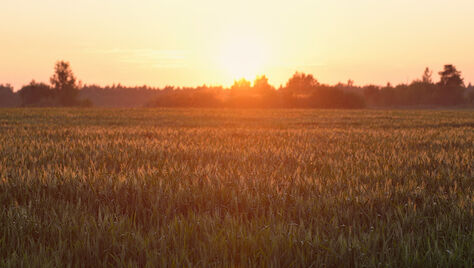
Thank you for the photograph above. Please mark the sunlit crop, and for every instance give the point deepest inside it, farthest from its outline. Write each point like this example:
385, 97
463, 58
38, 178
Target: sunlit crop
290, 188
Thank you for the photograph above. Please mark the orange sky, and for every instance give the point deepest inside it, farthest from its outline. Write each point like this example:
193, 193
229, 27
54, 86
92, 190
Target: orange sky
189, 43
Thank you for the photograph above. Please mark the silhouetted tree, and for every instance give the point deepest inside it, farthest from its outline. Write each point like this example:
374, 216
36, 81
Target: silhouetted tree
350, 83
451, 87
427, 76
262, 87
268, 96
301, 84
8, 98
7, 88
241, 85
64, 84
261, 84
37, 94
450, 76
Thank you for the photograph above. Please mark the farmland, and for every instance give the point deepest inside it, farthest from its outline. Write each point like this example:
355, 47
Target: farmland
203, 187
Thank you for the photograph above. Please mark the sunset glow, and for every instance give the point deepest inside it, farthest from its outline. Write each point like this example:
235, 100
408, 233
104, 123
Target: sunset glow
189, 43
243, 57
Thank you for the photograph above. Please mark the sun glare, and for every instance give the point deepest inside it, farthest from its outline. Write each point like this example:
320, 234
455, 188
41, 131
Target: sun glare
243, 58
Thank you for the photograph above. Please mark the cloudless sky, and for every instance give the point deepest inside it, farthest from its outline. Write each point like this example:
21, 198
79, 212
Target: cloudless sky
189, 43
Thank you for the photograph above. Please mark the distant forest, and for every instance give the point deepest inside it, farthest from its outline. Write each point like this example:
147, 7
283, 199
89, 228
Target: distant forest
301, 91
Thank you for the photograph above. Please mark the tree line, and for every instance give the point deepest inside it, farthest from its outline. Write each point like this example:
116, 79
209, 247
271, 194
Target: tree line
63, 91
300, 91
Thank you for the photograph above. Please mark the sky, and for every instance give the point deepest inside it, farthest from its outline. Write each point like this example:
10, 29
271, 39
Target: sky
214, 42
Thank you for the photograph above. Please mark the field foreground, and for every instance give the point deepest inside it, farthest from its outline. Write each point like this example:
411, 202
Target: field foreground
236, 188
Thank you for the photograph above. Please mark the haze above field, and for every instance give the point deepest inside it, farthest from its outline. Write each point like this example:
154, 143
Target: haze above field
188, 43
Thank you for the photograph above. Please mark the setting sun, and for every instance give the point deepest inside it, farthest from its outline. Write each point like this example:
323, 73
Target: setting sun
243, 57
